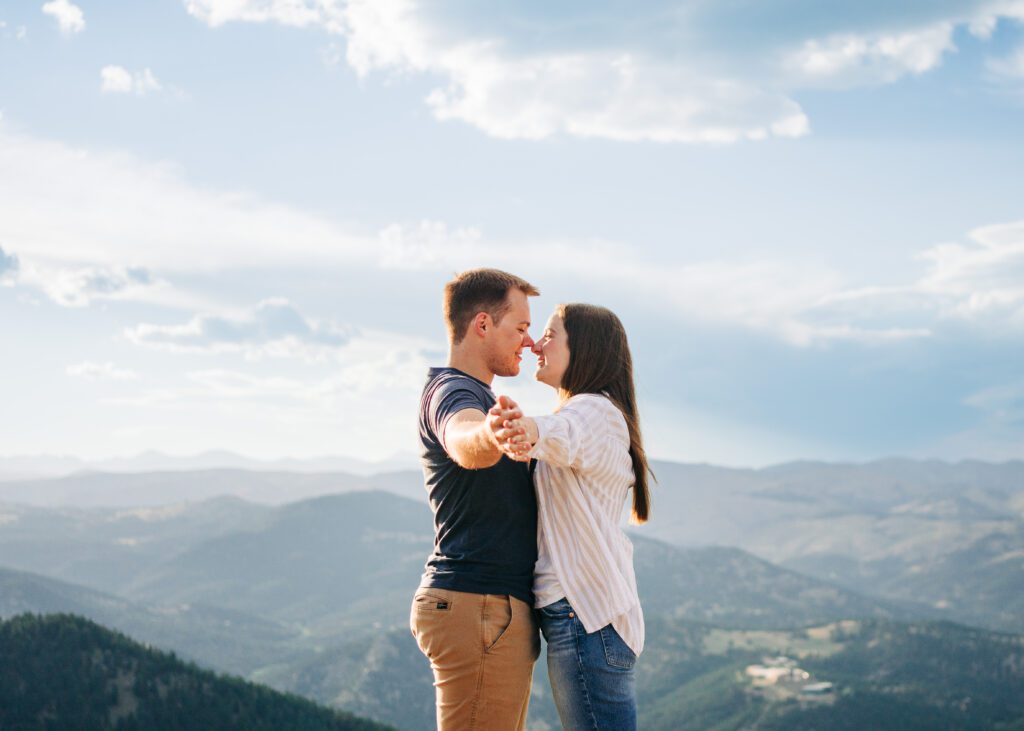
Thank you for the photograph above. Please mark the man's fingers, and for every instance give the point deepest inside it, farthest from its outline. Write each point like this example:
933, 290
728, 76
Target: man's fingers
516, 452
506, 408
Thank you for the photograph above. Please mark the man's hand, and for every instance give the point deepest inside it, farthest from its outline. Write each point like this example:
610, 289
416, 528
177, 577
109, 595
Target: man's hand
507, 429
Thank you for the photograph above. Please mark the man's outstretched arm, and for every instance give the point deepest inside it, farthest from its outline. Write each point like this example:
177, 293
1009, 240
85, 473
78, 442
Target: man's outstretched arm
469, 439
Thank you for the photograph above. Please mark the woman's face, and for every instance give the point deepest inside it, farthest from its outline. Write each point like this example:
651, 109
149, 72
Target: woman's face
552, 351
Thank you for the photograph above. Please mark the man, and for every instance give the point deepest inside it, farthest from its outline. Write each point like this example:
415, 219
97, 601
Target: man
472, 615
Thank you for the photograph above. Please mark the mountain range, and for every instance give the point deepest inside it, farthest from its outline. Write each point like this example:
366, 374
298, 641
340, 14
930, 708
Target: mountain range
815, 562
947, 535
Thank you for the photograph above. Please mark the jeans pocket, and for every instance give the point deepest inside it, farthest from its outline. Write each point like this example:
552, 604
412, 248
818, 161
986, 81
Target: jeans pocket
557, 610
616, 652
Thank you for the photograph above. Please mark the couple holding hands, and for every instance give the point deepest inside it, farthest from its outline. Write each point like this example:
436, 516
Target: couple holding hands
527, 514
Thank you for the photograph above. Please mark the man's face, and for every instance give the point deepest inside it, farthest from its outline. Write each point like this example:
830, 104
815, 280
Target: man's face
507, 338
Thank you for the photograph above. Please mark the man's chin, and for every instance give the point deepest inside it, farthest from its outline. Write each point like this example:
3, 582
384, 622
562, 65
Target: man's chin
508, 372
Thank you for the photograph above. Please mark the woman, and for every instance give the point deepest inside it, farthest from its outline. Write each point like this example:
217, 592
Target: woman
589, 454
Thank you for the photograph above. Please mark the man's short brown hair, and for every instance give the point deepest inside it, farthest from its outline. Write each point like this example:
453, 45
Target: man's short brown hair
479, 290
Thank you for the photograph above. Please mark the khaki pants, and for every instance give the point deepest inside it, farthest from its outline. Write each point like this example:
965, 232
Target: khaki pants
481, 648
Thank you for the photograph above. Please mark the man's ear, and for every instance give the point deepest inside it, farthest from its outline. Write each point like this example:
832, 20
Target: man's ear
481, 323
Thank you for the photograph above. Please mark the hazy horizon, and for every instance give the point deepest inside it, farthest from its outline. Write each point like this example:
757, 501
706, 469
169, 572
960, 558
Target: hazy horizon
28, 466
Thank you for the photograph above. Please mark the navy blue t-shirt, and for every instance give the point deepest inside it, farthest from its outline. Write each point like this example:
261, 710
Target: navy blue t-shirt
485, 521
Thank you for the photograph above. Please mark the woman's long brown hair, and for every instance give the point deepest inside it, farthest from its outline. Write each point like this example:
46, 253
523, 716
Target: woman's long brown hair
600, 362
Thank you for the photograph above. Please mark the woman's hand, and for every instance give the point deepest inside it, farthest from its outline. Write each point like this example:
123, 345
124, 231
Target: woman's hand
505, 418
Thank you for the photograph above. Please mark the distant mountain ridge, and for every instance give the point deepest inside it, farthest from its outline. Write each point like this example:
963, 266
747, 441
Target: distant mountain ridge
352, 559
949, 535
27, 467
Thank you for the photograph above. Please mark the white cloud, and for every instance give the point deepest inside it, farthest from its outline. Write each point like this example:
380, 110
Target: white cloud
78, 287
274, 328
1003, 403
296, 13
616, 97
657, 73
371, 363
982, 281
69, 16
115, 208
779, 299
118, 80
296, 407
880, 58
427, 245
608, 93
101, 371
881, 53
613, 94
115, 79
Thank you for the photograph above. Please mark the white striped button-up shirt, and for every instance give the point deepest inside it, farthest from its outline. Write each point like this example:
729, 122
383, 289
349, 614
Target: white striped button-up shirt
583, 477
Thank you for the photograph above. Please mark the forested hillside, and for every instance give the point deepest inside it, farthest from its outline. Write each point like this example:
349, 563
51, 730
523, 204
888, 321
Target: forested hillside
62, 671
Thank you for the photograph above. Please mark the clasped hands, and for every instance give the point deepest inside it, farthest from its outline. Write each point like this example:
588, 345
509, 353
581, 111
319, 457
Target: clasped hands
509, 434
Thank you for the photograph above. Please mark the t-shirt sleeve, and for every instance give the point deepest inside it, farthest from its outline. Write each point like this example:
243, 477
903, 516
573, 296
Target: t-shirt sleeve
449, 399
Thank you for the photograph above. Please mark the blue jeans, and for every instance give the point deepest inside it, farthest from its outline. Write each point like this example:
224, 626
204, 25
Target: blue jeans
592, 675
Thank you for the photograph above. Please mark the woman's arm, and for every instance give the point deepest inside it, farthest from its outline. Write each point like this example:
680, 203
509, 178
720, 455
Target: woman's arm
571, 437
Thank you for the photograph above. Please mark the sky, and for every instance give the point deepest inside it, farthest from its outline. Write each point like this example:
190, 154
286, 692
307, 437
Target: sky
226, 224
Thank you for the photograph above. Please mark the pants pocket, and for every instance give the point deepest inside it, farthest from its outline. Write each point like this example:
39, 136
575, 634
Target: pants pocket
616, 652
432, 600
497, 618
556, 610
430, 612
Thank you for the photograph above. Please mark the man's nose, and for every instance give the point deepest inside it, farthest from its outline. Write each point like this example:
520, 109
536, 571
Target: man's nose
528, 341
